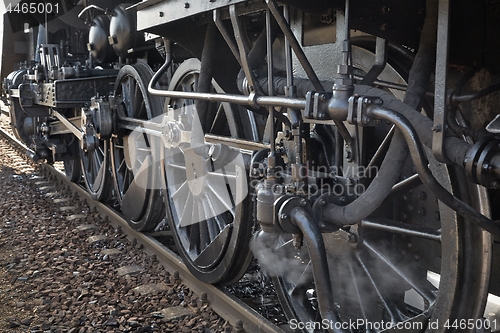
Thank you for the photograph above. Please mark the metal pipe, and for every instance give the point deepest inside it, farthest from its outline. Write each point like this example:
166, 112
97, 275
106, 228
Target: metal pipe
417, 155
379, 64
317, 252
456, 99
271, 162
297, 103
92, 7
163, 69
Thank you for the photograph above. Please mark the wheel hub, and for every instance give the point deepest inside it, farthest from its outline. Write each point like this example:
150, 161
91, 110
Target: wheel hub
340, 243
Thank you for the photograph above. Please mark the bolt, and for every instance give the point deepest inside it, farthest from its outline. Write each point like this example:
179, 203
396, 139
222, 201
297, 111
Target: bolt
161, 14
437, 128
437, 216
421, 211
303, 202
239, 327
204, 298
186, 5
283, 217
342, 200
322, 202
193, 302
322, 225
176, 276
348, 155
422, 195
486, 167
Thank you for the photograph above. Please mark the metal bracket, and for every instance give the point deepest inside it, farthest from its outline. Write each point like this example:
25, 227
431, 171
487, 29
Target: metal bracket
439, 126
317, 105
357, 114
243, 55
102, 116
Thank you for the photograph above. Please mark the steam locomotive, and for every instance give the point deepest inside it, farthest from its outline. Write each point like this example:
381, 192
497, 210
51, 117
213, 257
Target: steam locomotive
350, 146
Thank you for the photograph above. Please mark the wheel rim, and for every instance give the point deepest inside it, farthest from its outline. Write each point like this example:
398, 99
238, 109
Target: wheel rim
210, 228
133, 163
388, 276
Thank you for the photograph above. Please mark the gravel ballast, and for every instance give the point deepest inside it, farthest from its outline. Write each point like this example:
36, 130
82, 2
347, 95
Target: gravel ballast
55, 278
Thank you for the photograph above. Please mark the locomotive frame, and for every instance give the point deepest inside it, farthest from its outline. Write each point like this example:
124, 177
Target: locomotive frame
323, 138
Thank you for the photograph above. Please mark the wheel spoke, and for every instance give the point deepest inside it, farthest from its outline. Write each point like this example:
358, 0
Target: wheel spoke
358, 292
379, 155
217, 211
402, 228
425, 289
394, 313
187, 211
220, 192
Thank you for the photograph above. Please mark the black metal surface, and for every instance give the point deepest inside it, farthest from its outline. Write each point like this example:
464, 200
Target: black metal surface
418, 157
123, 34
98, 44
77, 92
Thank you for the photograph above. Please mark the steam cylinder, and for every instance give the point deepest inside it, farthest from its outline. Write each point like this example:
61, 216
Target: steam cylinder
98, 40
123, 33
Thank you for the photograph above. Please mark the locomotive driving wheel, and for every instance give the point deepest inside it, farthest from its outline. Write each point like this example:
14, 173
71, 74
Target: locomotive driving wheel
210, 222
133, 165
94, 157
412, 262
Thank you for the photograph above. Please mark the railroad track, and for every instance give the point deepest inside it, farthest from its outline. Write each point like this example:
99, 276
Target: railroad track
242, 317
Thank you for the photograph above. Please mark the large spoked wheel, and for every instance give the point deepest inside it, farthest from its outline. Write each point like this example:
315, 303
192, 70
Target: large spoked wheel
209, 216
412, 260
95, 169
135, 170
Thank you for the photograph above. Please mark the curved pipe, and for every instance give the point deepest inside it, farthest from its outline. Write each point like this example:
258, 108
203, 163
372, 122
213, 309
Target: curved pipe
321, 273
390, 170
417, 155
92, 7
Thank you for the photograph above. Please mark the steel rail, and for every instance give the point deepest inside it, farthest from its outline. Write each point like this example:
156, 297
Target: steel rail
236, 312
